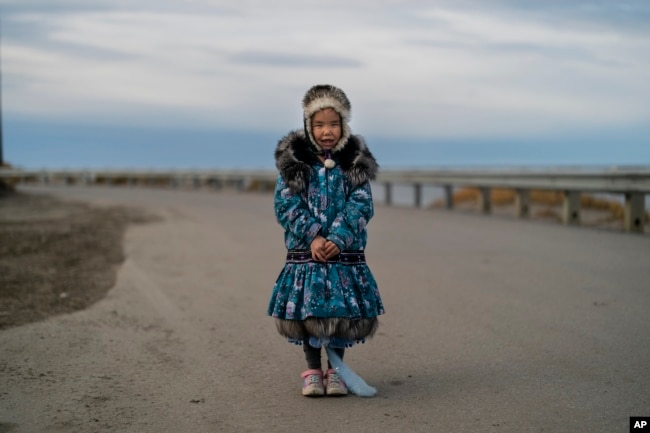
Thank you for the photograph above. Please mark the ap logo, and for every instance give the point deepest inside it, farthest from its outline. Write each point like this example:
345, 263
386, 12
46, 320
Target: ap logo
640, 424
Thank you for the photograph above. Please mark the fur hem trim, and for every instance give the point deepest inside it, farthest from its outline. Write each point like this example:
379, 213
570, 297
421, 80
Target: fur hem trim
344, 329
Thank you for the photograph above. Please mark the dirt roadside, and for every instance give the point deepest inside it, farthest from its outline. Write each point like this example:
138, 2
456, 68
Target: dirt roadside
57, 256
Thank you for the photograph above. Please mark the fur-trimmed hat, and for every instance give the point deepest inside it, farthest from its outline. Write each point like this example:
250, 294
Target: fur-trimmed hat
327, 96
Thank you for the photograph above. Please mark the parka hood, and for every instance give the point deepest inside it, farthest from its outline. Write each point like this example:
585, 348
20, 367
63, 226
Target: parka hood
324, 96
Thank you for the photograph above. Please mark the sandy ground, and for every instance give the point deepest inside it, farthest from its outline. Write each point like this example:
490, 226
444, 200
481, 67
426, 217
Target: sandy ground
492, 325
57, 257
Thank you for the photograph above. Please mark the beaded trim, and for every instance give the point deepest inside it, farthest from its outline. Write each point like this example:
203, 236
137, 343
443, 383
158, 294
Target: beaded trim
344, 258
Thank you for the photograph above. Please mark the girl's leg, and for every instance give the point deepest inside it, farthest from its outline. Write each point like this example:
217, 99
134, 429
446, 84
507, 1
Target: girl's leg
312, 355
312, 385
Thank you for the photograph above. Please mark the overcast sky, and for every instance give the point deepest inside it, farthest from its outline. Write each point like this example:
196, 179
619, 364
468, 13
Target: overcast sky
437, 79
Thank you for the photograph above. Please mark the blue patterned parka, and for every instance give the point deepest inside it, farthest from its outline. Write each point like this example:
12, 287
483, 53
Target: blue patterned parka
335, 301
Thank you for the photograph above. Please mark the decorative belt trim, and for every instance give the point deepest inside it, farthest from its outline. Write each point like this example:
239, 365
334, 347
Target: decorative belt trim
346, 257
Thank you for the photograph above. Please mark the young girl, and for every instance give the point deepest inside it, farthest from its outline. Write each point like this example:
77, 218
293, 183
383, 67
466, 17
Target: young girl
325, 295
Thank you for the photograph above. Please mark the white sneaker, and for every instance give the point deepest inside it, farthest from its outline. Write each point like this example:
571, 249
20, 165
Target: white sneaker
312, 385
335, 385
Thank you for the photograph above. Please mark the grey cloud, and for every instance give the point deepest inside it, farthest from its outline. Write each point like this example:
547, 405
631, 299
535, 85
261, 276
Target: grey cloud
630, 15
292, 60
76, 6
518, 48
94, 53
49, 7
38, 34
553, 53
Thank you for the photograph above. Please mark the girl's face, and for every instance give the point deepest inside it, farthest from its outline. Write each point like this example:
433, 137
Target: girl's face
326, 128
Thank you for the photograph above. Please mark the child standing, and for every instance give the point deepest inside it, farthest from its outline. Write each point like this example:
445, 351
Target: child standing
325, 295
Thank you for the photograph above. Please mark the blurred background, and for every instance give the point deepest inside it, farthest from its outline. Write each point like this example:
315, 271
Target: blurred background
215, 84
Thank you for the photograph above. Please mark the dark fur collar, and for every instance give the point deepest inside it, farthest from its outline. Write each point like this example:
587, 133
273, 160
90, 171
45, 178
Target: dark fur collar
294, 156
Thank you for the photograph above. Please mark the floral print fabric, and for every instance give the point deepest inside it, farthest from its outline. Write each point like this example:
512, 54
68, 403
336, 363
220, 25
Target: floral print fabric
331, 208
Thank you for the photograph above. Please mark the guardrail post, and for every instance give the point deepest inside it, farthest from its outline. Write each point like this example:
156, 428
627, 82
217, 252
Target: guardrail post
215, 183
449, 197
522, 203
417, 193
485, 204
634, 218
388, 199
571, 208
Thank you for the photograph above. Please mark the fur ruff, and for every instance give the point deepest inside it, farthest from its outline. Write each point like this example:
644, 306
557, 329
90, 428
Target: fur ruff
294, 156
345, 329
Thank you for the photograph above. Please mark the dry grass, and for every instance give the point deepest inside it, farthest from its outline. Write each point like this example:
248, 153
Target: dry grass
6, 187
258, 185
548, 213
503, 197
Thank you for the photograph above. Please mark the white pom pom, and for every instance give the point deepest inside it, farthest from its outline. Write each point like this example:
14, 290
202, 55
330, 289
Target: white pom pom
329, 163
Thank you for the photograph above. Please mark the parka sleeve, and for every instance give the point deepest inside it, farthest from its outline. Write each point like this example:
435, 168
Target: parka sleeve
354, 217
292, 213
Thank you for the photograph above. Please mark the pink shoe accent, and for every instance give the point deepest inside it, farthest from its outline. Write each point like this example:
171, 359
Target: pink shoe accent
312, 385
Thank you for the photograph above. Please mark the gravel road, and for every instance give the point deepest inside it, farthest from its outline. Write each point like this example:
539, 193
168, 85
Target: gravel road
492, 325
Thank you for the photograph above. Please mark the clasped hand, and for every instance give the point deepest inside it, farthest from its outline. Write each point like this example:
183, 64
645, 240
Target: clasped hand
322, 250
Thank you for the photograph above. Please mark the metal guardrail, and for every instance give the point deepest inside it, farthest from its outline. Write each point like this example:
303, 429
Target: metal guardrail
633, 184
594, 181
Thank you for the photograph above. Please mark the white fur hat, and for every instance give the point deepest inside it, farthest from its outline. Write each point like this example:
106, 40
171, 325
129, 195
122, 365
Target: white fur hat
327, 96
